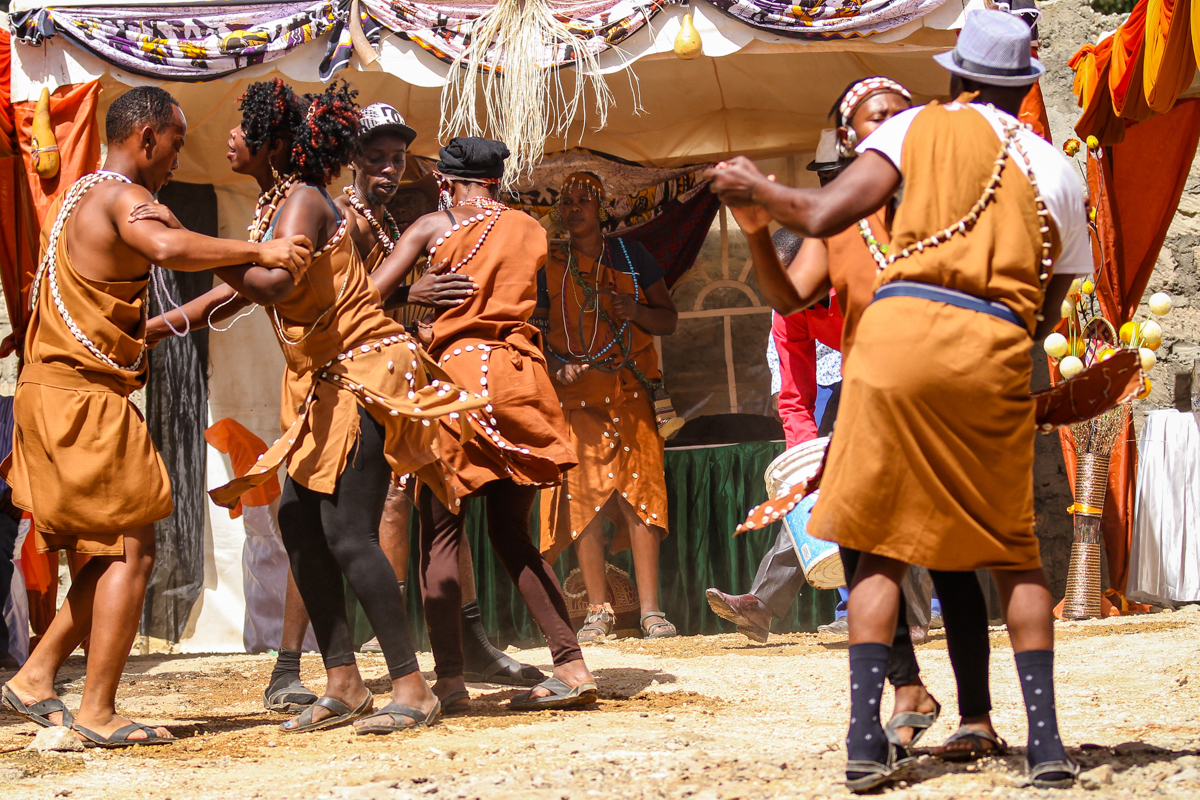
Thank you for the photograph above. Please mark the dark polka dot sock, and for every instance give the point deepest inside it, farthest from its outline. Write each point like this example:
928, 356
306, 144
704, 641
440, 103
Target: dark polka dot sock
868, 668
1035, 668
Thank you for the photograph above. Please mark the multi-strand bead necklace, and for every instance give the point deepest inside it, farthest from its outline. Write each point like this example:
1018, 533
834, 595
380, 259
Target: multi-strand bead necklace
387, 232
49, 269
1009, 145
492, 209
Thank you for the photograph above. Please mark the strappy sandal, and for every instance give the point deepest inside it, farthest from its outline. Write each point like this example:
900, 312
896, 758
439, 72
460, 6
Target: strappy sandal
289, 698
983, 744
597, 624
398, 712
561, 696
920, 723
657, 630
873, 774
507, 671
37, 713
1036, 774
342, 714
120, 737
453, 703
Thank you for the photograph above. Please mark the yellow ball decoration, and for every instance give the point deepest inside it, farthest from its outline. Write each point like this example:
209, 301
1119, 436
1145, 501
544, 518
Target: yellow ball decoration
1151, 334
1056, 345
1145, 392
1070, 366
1106, 354
1148, 358
1160, 303
1088, 287
1128, 331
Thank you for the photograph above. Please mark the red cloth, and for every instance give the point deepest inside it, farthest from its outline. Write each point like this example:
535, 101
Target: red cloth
796, 337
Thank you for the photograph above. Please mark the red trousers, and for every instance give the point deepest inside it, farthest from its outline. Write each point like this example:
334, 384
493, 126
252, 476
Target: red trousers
796, 338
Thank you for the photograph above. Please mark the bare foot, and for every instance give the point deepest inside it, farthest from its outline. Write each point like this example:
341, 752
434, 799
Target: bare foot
572, 674
913, 697
109, 724
34, 692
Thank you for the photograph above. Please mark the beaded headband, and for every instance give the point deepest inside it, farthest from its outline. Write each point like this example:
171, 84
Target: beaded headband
868, 87
587, 181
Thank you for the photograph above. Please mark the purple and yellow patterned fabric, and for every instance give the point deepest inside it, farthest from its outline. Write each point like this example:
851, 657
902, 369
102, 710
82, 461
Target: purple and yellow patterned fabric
187, 43
825, 19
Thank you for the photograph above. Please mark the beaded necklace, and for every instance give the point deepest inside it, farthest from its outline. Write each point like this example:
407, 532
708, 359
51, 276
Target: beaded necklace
49, 269
386, 236
492, 211
264, 212
1008, 145
590, 302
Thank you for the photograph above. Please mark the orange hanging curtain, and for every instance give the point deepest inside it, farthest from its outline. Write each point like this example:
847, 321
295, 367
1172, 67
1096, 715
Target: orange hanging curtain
1134, 208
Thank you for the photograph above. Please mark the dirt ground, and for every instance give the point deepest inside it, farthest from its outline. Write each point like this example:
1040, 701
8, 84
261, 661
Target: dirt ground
711, 718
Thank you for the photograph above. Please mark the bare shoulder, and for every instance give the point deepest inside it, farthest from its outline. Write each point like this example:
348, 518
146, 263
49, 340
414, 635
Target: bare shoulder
428, 228
115, 199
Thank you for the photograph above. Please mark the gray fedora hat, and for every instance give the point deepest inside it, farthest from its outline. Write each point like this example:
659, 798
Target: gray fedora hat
993, 48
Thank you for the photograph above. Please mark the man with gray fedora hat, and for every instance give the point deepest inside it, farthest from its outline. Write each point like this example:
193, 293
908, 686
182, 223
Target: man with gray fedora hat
932, 463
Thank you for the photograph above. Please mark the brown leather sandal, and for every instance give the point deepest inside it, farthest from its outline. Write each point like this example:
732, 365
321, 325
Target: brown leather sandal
597, 624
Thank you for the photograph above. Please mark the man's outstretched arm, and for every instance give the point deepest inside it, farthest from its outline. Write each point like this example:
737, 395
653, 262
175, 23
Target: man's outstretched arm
868, 183
144, 225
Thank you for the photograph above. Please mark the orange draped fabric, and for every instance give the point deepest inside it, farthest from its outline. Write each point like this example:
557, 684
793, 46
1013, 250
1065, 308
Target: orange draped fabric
243, 448
1126, 65
1134, 208
73, 116
1170, 61
1139, 71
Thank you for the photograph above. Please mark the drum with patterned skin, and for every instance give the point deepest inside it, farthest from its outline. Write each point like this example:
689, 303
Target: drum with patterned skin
819, 559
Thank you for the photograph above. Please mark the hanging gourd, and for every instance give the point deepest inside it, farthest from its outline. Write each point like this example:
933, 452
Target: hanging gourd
45, 148
687, 42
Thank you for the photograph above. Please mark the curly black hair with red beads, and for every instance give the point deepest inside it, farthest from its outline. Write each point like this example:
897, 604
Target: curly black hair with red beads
322, 128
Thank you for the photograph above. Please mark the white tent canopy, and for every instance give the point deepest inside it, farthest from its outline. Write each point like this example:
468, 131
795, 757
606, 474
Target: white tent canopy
752, 92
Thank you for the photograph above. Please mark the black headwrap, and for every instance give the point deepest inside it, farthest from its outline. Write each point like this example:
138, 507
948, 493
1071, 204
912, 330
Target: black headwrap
473, 157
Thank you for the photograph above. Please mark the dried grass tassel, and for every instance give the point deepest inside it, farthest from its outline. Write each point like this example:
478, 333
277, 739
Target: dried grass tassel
510, 61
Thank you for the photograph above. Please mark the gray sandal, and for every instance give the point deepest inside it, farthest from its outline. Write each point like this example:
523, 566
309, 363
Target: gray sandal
920, 723
37, 713
398, 712
873, 774
342, 714
983, 744
657, 630
561, 696
120, 737
1037, 773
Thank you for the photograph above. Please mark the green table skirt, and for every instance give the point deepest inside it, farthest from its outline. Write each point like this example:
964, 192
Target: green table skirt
709, 491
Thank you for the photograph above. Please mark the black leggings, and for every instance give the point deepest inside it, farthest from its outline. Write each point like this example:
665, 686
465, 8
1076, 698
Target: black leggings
964, 611
329, 536
508, 507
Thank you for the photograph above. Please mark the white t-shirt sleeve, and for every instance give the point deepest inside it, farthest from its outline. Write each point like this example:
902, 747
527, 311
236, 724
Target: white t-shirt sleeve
888, 138
1059, 184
